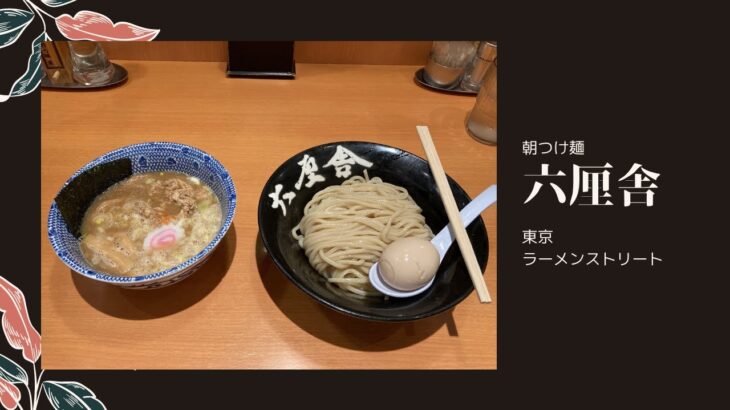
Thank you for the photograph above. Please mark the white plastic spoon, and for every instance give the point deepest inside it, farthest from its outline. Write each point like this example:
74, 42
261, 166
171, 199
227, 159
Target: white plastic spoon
442, 241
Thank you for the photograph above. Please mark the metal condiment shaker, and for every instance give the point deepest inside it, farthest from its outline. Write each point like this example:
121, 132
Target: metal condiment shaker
475, 71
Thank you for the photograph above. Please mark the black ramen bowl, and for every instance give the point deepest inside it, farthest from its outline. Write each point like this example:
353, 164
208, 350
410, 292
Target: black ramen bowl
336, 162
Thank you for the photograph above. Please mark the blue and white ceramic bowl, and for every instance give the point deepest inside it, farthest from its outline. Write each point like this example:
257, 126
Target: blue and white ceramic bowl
149, 157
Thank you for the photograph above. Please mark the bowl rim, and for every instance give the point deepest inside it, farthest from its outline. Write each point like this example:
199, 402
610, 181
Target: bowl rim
367, 316
155, 276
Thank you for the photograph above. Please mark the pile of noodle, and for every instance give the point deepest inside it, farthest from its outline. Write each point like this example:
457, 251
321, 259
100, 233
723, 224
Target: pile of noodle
346, 227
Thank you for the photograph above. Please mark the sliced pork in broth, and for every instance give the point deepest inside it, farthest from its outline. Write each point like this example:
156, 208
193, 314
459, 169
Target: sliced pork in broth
148, 223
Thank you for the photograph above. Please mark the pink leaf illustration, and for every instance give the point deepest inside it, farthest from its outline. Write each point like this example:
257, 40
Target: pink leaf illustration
17, 327
90, 25
9, 394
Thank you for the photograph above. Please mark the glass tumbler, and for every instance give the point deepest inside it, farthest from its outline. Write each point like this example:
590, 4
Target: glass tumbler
90, 63
481, 123
447, 61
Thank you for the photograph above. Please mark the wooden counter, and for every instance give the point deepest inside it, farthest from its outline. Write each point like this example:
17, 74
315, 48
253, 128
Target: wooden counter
236, 312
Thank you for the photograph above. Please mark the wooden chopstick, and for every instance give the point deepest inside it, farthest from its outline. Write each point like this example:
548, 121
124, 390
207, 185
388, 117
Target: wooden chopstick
452, 211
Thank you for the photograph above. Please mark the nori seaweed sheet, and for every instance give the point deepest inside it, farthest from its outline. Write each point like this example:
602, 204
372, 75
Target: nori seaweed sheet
76, 197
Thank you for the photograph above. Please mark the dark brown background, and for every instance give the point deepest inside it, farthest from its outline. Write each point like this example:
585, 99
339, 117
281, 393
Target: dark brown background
320, 52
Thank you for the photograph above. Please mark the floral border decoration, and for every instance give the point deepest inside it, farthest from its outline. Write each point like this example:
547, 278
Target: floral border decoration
21, 335
84, 25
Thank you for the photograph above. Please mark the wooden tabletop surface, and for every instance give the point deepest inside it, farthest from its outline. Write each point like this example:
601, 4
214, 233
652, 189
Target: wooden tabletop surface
238, 311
